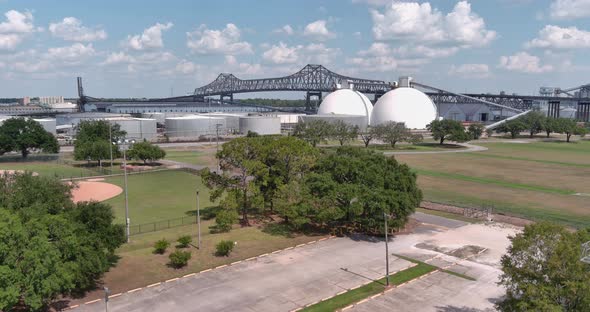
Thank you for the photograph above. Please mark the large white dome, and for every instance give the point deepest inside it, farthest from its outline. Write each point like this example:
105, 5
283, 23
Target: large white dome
346, 102
407, 105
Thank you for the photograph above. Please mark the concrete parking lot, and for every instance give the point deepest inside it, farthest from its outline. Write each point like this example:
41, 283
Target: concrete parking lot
294, 278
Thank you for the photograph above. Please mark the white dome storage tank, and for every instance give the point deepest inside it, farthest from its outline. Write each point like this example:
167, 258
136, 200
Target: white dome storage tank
346, 102
407, 105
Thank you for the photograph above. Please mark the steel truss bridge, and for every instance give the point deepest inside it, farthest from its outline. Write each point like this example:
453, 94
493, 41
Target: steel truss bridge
315, 79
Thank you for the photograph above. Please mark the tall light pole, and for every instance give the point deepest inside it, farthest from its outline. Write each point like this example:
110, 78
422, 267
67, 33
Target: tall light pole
217, 147
125, 145
198, 222
107, 293
111, 140
386, 218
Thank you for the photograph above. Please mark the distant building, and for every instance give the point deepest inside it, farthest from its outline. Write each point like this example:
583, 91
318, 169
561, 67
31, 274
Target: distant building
25, 101
51, 100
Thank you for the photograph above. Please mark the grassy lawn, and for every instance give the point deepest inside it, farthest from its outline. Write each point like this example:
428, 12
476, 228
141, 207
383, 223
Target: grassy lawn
350, 297
447, 215
195, 157
404, 147
158, 196
532, 180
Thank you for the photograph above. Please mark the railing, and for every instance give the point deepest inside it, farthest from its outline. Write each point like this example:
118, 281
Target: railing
161, 225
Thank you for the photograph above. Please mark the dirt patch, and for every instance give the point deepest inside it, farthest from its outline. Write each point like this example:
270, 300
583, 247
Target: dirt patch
466, 251
94, 191
95, 180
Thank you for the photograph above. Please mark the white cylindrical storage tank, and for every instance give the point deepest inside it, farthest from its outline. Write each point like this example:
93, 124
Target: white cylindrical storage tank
262, 125
346, 102
159, 117
407, 105
193, 126
49, 124
232, 121
137, 128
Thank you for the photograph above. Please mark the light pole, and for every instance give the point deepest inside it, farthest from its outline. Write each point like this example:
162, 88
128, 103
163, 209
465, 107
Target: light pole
217, 147
198, 222
107, 293
386, 218
125, 145
111, 140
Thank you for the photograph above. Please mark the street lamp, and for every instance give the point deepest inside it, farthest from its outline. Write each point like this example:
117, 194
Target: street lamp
198, 222
107, 293
386, 218
124, 144
217, 141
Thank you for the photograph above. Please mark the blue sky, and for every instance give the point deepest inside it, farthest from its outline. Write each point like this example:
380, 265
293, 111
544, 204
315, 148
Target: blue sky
152, 48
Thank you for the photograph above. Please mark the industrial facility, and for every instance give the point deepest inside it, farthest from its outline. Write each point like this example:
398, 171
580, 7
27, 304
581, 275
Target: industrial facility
358, 102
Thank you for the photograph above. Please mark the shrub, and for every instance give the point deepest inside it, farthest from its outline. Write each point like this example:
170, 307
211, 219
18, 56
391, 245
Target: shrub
224, 221
160, 246
224, 247
184, 241
179, 258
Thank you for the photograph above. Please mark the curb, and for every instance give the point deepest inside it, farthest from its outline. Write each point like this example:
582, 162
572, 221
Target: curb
201, 272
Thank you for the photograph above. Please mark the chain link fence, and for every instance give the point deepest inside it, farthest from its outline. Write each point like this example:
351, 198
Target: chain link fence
161, 225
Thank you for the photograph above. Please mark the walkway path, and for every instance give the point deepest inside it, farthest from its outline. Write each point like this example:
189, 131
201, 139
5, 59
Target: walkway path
468, 149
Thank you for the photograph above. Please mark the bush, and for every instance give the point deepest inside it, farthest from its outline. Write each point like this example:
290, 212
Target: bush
179, 258
184, 241
224, 248
224, 221
160, 246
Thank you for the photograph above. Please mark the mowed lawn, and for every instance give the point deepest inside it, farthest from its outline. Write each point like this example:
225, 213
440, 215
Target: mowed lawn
535, 180
203, 157
157, 196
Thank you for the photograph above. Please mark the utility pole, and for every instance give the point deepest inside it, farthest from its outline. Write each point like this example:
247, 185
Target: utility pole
111, 148
217, 147
198, 221
386, 218
107, 293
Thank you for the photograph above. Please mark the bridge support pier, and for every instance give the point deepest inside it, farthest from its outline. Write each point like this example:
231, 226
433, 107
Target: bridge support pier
553, 109
583, 112
229, 96
309, 104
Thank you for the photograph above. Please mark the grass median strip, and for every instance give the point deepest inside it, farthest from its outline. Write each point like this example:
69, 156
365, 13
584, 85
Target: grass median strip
373, 288
442, 270
494, 182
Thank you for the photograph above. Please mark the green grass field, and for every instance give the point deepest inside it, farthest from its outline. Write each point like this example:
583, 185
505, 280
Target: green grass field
159, 196
187, 156
50, 168
533, 180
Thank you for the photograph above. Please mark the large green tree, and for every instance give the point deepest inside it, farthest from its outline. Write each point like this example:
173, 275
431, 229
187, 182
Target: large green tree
50, 246
314, 131
542, 270
393, 132
569, 127
24, 135
352, 188
447, 129
476, 130
514, 127
94, 140
344, 132
146, 151
534, 122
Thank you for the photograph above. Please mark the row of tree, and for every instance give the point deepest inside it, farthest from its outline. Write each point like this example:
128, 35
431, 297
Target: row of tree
94, 142
50, 246
536, 122
285, 176
25, 135
319, 131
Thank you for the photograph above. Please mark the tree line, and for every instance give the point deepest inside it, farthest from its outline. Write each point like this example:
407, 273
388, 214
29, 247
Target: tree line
346, 190
536, 122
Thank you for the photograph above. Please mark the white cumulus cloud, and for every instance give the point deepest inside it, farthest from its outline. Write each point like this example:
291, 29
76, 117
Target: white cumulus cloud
470, 71
71, 54
16, 27
555, 37
222, 41
287, 30
71, 29
150, 38
318, 30
422, 23
281, 54
525, 63
570, 9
